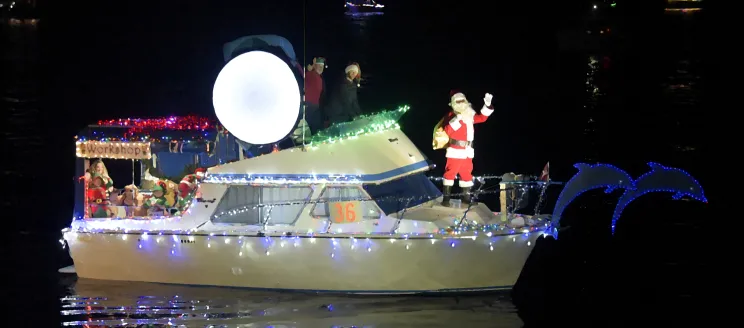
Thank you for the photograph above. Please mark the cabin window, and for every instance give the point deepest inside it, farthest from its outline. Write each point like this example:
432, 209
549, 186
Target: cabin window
333, 195
289, 203
237, 204
394, 196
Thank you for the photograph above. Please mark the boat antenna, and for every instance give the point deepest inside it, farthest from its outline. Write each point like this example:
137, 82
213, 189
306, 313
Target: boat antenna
304, 65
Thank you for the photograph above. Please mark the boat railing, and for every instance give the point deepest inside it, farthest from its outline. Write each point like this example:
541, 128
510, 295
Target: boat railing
110, 209
107, 211
509, 186
140, 212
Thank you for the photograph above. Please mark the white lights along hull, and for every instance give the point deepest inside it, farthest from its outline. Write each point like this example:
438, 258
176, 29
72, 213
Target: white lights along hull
320, 264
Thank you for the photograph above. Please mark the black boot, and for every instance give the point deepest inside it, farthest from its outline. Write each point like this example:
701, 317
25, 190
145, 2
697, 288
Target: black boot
446, 196
466, 197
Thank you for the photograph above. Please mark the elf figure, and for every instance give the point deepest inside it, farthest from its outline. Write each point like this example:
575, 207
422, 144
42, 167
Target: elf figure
188, 186
457, 127
156, 205
171, 193
99, 203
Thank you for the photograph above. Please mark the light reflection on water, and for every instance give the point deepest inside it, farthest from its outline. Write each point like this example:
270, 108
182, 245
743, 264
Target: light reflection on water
98, 303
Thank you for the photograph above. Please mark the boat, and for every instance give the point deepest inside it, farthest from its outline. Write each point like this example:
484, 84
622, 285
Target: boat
683, 6
363, 7
351, 210
374, 225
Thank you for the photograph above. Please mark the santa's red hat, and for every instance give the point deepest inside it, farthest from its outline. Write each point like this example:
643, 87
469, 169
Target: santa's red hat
201, 169
455, 95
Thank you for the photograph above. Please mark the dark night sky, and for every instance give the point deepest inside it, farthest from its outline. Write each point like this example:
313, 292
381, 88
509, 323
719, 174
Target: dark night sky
100, 60
151, 59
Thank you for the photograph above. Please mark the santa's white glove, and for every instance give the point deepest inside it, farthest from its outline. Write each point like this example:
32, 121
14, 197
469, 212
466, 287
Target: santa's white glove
487, 99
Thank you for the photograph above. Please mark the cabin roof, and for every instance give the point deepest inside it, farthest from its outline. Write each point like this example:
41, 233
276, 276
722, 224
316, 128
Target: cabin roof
369, 149
369, 159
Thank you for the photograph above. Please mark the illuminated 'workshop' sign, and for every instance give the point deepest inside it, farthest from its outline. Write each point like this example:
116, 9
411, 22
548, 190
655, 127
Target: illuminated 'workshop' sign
113, 149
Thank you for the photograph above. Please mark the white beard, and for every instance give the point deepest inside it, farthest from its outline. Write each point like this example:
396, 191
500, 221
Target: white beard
465, 111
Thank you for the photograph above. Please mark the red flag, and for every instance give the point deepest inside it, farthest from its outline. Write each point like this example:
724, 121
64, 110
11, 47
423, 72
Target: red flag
545, 175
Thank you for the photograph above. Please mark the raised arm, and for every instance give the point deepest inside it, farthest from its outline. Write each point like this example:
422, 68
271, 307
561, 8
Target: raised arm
486, 111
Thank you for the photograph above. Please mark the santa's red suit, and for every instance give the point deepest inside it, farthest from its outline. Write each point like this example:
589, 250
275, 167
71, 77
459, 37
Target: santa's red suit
459, 127
189, 183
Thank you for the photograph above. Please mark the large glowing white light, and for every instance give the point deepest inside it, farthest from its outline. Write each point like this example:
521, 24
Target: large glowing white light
256, 98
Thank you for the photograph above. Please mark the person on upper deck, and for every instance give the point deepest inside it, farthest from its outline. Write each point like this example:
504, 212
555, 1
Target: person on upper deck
314, 94
344, 103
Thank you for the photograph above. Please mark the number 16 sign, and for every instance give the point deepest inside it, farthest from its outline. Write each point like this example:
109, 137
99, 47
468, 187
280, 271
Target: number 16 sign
345, 212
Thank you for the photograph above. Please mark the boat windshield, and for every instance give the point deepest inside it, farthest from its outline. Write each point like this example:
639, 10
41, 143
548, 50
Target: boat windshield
412, 190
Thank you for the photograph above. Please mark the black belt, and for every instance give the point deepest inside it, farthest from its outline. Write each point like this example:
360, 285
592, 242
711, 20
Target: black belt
460, 143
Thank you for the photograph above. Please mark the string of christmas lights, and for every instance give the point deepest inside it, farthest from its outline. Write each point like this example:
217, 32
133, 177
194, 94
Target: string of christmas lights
401, 200
589, 177
500, 177
144, 129
534, 224
259, 179
186, 129
477, 178
178, 123
465, 226
457, 228
361, 125
677, 181
610, 177
350, 179
270, 243
184, 137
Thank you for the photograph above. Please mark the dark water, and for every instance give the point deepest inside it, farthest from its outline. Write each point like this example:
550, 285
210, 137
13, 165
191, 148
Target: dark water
123, 303
560, 96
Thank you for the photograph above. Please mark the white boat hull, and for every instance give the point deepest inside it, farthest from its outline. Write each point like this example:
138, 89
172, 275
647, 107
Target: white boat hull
377, 265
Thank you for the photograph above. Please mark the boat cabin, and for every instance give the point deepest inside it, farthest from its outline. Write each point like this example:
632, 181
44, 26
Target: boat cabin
352, 176
361, 176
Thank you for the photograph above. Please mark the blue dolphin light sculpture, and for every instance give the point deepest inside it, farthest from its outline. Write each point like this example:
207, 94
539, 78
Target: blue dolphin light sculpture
660, 179
589, 177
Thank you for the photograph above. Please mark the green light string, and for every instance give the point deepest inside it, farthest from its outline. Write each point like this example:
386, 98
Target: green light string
361, 125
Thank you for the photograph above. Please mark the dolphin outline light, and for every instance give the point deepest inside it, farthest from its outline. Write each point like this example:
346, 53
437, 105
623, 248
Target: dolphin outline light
642, 188
607, 176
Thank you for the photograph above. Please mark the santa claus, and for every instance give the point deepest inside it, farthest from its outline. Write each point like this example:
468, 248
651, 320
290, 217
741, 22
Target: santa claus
189, 183
455, 131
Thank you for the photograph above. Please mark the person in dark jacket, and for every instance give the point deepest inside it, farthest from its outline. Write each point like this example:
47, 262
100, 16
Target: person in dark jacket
344, 104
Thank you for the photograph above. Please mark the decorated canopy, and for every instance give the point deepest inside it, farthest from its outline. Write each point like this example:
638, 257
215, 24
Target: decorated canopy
197, 140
